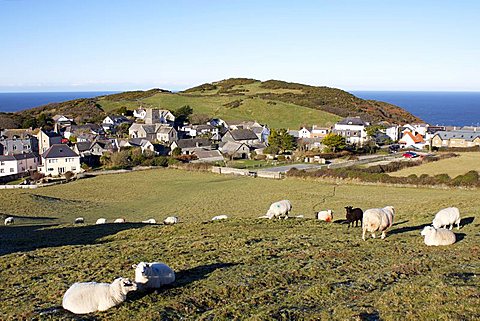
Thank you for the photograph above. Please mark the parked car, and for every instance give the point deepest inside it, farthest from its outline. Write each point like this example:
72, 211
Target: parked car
410, 155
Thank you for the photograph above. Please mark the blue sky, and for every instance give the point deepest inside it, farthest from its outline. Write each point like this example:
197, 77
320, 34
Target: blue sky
71, 45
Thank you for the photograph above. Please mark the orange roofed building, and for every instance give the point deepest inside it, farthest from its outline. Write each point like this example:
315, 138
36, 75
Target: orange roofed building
410, 140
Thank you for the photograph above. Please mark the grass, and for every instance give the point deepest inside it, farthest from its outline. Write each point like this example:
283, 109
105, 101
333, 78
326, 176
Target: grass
276, 114
451, 166
241, 268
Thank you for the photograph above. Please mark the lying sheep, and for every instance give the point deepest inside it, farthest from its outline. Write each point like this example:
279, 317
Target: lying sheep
79, 220
119, 220
92, 296
354, 215
219, 217
153, 275
279, 209
170, 220
101, 221
150, 221
447, 216
377, 220
9, 220
326, 216
438, 237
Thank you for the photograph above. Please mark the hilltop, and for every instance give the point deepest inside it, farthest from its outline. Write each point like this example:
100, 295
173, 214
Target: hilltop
277, 103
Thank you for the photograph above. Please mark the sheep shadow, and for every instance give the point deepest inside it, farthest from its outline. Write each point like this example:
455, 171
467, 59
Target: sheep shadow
183, 278
459, 237
406, 229
467, 221
31, 237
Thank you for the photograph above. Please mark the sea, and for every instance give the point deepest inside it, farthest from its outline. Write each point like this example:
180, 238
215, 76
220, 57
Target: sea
10, 102
435, 108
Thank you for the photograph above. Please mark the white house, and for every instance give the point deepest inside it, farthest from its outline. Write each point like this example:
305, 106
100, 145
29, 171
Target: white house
410, 140
18, 163
59, 159
313, 132
111, 122
393, 132
140, 113
353, 129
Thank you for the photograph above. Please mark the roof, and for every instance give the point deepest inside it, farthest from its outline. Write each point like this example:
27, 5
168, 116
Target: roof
229, 147
164, 129
83, 146
195, 142
15, 157
243, 134
416, 139
58, 151
22, 133
353, 121
205, 154
203, 127
51, 134
468, 135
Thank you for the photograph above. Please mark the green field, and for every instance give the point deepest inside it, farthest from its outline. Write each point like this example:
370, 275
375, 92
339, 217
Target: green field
452, 166
244, 267
276, 114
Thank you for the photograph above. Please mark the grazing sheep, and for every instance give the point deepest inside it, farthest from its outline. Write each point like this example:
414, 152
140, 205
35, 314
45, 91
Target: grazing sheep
326, 216
219, 217
377, 220
153, 275
170, 220
92, 296
119, 220
9, 220
79, 220
101, 221
354, 215
447, 216
438, 237
279, 209
150, 221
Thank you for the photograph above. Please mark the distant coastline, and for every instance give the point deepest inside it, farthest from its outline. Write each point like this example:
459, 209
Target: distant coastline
11, 102
436, 108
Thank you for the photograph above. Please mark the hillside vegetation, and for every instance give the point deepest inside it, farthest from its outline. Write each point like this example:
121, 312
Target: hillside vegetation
244, 267
277, 103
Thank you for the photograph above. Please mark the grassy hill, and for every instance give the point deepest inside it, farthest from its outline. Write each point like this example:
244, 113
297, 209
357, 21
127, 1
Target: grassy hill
276, 103
241, 268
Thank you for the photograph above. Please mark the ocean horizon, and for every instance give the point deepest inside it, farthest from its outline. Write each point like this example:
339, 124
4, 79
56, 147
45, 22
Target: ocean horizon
434, 107
451, 108
16, 101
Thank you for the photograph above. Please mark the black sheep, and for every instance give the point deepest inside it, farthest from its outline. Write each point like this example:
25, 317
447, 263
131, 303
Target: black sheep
354, 215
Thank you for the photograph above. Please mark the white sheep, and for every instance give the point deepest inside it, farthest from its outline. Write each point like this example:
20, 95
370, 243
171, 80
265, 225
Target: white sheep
436, 237
119, 220
447, 216
377, 220
89, 297
279, 209
79, 220
150, 221
101, 221
170, 220
326, 216
153, 275
219, 217
9, 220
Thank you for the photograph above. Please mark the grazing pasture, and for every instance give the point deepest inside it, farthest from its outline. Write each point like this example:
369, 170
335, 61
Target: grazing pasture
452, 166
242, 267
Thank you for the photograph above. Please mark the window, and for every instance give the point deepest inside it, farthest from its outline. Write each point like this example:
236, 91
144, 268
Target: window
74, 168
2, 163
11, 170
50, 169
2, 170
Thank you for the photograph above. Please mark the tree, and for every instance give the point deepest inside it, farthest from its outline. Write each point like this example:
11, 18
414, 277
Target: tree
177, 151
45, 121
334, 142
182, 114
29, 123
281, 139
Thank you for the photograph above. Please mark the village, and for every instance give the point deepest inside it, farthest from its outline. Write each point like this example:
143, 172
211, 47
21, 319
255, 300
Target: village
69, 148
